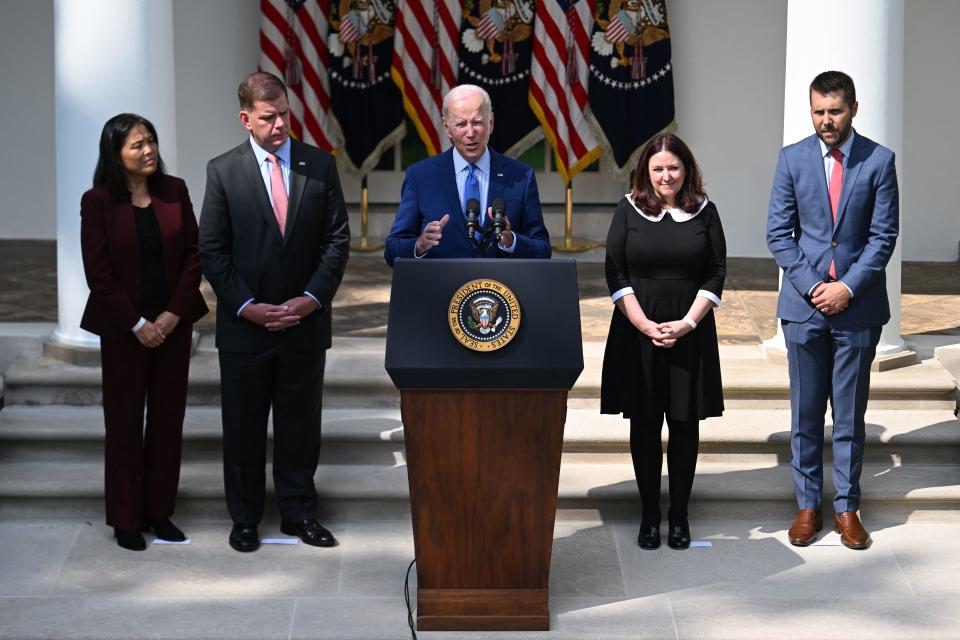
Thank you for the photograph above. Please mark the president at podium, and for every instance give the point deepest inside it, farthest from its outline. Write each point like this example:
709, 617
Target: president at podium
436, 196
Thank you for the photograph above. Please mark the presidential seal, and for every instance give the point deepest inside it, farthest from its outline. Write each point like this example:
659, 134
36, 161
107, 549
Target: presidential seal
484, 315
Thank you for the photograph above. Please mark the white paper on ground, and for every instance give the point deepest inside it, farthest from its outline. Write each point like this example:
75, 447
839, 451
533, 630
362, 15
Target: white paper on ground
832, 541
159, 541
279, 540
701, 543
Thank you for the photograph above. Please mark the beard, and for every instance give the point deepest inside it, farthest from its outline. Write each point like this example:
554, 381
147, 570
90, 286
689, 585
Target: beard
842, 135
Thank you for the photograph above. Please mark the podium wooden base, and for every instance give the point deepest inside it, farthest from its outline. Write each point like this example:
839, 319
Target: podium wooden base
483, 467
482, 610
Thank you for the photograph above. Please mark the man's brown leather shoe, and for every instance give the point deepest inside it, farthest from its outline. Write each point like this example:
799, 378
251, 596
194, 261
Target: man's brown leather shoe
804, 529
852, 533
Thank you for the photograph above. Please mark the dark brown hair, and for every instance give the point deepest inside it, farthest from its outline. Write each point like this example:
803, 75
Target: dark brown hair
835, 82
691, 194
260, 85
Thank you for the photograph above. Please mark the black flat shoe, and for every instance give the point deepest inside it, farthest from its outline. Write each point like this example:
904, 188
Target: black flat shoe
310, 531
679, 537
130, 539
166, 530
244, 537
649, 537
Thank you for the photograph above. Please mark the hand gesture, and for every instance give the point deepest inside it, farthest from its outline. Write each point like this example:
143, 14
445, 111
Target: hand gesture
431, 234
506, 237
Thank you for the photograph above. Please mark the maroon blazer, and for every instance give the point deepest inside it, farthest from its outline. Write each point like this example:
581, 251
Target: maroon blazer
111, 257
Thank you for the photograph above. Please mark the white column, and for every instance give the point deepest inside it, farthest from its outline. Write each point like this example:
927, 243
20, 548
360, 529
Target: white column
863, 38
110, 57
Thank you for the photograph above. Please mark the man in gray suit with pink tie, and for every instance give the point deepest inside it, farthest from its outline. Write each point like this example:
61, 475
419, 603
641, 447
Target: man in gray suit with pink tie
832, 226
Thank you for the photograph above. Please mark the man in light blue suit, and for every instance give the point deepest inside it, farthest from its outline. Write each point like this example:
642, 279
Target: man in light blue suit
832, 226
435, 192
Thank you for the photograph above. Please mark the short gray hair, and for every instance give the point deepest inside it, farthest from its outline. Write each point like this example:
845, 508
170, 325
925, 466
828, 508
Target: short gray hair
463, 89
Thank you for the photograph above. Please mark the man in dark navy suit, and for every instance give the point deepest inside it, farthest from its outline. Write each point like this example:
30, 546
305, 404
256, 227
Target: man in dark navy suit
435, 192
832, 226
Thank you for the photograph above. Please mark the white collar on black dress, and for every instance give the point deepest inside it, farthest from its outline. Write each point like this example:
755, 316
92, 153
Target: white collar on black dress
678, 215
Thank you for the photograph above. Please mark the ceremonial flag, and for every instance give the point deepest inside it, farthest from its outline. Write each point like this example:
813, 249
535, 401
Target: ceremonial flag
496, 47
558, 82
293, 47
365, 102
631, 78
425, 57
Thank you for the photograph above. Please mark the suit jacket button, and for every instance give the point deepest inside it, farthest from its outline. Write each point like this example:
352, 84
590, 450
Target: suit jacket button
835, 243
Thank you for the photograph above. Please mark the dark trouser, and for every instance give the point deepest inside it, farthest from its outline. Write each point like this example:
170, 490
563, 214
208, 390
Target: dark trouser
826, 362
142, 466
647, 452
291, 382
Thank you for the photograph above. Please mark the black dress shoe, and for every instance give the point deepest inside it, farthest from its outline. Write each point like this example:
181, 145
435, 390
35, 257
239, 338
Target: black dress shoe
679, 537
130, 539
244, 537
310, 531
649, 537
166, 530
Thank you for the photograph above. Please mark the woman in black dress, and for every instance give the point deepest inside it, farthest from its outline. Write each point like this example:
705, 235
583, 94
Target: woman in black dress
665, 266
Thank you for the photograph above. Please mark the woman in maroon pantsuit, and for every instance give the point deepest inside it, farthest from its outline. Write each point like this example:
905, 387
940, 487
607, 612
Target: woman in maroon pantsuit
139, 242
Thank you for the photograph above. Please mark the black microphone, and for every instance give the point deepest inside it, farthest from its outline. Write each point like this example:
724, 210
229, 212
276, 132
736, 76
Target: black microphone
473, 218
499, 216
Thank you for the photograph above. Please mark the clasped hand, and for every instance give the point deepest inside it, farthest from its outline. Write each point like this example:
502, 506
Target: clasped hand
665, 334
152, 334
830, 298
278, 317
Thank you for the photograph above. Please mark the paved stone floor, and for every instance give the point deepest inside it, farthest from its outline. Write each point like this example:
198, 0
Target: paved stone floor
930, 301
66, 578
69, 580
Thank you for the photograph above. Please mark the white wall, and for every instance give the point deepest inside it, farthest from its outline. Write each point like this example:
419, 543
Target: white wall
928, 170
27, 164
728, 60
216, 44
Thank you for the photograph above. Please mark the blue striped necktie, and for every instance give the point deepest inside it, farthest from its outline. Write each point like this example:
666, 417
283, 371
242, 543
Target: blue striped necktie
471, 189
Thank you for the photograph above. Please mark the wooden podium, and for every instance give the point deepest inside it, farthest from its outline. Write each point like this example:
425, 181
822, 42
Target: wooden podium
484, 434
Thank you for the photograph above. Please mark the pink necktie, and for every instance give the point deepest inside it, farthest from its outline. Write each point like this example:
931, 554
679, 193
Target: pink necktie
279, 193
836, 185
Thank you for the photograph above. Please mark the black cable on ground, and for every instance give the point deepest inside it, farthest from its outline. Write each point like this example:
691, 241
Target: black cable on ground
406, 597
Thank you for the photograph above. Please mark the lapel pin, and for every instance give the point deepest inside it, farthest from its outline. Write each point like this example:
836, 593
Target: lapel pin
499, 175
302, 163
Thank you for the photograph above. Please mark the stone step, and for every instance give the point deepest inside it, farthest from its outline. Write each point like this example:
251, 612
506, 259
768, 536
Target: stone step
355, 378
375, 436
716, 481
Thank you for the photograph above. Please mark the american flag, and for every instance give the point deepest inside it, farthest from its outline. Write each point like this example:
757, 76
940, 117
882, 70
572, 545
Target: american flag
559, 80
348, 28
490, 25
620, 28
293, 46
425, 58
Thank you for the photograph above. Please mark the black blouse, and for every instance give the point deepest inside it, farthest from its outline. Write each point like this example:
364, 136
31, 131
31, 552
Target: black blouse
153, 289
